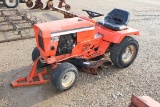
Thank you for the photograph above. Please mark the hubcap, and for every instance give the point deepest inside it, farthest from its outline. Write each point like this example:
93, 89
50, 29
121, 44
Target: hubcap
129, 53
30, 3
11, 2
68, 79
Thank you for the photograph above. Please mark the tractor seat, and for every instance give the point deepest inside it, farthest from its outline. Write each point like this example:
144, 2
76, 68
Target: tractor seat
117, 20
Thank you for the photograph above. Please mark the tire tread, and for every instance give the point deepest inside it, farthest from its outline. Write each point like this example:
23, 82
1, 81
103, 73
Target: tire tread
116, 49
56, 75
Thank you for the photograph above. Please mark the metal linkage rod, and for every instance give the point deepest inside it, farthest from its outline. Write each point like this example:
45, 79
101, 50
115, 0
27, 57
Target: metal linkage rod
17, 21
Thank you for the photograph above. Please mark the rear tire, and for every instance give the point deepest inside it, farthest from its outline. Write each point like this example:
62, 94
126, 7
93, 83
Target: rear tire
10, 3
35, 55
124, 53
64, 76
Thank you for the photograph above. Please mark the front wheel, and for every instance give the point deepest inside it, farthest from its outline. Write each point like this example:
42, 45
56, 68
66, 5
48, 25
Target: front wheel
124, 53
35, 55
10, 3
64, 76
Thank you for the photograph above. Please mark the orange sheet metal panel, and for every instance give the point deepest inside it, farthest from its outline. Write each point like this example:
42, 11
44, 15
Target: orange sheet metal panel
85, 36
84, 47
103, 47
64, 25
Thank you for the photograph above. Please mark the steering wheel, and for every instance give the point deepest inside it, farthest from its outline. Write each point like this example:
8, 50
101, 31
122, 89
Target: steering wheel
93, 14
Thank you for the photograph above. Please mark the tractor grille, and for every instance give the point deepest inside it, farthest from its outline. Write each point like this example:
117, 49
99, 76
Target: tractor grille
40, 40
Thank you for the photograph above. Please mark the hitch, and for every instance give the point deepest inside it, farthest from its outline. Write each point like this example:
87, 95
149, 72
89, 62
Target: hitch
31, 78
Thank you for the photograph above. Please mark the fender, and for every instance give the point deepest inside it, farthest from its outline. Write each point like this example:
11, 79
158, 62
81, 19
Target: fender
116, 36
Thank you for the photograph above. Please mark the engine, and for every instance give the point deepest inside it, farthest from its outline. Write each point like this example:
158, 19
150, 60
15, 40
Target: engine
66, 44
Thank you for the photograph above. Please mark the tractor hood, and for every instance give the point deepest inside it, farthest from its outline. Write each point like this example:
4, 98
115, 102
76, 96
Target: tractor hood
70, 25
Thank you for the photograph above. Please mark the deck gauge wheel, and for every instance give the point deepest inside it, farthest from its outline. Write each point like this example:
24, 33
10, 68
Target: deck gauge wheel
10, 3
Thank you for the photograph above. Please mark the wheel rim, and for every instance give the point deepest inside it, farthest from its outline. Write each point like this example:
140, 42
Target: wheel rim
11, 2
68, 79
128, 54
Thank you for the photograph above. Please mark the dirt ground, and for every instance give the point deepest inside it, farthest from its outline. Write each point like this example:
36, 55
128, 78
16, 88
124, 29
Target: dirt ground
113, 87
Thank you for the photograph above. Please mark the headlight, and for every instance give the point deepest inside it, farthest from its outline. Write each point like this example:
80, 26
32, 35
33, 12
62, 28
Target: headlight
98, 35
55, 39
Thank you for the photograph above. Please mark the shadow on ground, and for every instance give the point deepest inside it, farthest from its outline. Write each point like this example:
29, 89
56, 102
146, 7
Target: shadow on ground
32, 95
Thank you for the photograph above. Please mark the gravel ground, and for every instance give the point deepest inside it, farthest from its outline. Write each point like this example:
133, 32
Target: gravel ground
113, 87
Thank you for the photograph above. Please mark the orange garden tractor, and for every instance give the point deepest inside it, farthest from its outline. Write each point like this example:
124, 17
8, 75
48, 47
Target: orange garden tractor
80, 43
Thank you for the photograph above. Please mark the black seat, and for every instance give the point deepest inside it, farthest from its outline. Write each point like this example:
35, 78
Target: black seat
117, 20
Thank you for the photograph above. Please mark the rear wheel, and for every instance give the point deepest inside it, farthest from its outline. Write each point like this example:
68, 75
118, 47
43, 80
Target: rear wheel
64, 76
124, 53
35, 55
10, 3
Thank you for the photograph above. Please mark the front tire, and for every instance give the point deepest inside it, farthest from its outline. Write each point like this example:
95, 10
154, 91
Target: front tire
10, 3
35, 55
124, 53
64, 76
